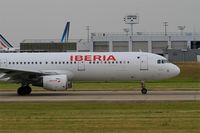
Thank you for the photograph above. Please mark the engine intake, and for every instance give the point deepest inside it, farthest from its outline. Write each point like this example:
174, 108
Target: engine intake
55, 82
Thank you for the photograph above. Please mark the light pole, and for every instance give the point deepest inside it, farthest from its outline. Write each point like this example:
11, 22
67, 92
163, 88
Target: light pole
88, 33
165, 24
131, 19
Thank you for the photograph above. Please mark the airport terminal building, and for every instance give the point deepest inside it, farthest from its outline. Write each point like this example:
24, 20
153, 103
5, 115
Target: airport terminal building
174, 46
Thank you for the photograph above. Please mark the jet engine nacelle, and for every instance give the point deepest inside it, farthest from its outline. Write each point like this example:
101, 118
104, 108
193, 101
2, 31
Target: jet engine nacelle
55, 82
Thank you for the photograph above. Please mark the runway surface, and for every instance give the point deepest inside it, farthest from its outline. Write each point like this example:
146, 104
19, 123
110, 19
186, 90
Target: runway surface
46, 96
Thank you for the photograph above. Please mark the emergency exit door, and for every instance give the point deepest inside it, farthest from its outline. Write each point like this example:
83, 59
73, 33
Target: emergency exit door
3, 63
81, 66
144, 62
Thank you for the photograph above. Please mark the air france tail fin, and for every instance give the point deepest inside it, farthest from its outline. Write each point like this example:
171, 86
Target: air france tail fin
65, 35
4, 44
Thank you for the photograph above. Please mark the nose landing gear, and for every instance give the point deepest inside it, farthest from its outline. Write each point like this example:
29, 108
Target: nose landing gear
143, 90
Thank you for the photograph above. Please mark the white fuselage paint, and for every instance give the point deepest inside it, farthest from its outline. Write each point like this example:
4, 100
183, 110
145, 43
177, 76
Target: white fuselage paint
83, 66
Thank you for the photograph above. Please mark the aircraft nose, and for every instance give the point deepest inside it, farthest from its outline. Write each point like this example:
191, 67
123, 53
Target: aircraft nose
175, 70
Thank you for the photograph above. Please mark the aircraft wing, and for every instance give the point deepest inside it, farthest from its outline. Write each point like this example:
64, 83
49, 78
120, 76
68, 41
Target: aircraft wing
19, 75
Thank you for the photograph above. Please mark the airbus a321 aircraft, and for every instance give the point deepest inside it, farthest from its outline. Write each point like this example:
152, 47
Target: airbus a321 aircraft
57, 71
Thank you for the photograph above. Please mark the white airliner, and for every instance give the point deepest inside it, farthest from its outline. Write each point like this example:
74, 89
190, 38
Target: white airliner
57, 71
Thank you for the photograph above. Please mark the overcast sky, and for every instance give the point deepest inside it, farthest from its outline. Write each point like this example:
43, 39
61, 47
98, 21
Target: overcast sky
45, 19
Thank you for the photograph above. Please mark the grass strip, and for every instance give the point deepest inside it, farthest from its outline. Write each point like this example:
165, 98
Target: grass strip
100, 117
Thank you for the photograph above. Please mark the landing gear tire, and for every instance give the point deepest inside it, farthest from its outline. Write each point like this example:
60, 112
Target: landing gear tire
24, 90
144, 91
28, 90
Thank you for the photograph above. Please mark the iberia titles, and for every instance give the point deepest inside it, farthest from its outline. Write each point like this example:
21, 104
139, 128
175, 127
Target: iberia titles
92, 58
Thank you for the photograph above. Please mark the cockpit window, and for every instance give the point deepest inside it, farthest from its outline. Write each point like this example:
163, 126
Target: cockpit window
161, 61
165, 61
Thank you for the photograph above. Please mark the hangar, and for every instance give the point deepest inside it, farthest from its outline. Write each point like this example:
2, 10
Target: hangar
174, 46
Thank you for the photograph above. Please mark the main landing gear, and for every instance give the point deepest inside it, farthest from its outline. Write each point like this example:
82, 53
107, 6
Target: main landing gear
24, 90
143, 90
